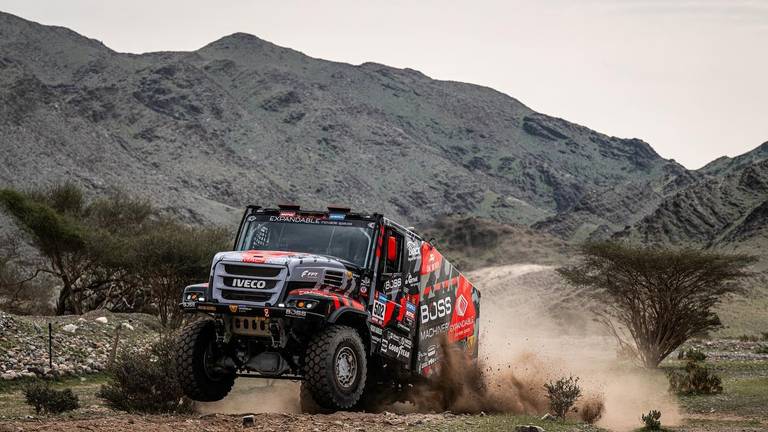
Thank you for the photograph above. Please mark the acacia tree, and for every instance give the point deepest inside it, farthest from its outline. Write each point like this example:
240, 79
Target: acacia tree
170, 256
79, 242
661, 297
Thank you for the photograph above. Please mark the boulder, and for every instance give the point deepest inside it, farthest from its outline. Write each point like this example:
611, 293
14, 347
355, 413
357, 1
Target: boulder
528, 428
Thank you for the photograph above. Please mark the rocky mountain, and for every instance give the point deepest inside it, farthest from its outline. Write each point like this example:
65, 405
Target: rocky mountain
244, 121
727, 208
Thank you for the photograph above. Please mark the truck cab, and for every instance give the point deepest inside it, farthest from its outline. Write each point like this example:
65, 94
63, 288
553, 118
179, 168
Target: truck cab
351, 304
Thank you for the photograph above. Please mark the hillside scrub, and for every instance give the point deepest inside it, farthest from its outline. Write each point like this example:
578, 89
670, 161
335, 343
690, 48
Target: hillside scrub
45, 399
145, 381
115, 252
660, 297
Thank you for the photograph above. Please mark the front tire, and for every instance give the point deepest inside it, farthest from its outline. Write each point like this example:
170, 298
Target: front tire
335, 368
193, 364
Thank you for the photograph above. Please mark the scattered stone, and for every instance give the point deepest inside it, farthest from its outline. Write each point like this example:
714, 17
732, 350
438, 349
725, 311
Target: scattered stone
69, 328
128, 326
249, 421
102, 320
548, 416
529, 428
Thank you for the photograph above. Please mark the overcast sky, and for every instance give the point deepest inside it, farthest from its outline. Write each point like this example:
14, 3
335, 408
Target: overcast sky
689, 77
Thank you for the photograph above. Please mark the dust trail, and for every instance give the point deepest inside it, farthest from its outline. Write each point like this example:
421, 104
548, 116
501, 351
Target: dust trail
256, 396
532, 324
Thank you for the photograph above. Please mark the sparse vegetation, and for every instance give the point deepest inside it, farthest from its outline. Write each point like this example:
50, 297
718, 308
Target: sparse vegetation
114, 252
652, 420
761, 349
563, 394
692, 354
696, 379
653, 299
145, 381
44, 399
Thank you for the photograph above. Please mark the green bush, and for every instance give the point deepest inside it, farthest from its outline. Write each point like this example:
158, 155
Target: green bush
761, 349
696, 379
652, 420
563, 394
45, 399
145, 381
692, 354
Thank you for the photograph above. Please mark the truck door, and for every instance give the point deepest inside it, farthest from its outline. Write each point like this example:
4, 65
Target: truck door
390, 301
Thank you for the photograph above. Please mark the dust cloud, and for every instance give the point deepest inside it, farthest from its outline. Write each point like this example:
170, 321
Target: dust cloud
256, 396
535, 329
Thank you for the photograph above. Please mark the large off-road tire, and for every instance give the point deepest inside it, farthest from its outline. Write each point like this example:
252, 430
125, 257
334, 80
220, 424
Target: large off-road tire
196, 352
335, 368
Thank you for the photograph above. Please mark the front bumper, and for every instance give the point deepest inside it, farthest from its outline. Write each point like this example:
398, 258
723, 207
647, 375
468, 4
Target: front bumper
251, 311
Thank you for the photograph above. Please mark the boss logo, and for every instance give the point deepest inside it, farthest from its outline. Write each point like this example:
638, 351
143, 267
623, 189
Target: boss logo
436, 309
249, 283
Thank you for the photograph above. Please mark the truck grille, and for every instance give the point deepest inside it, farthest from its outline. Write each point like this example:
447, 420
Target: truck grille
245, 296
265, 272
333, 278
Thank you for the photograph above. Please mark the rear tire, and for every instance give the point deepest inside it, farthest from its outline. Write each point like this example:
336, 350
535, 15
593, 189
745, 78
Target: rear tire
196, 344
335, 368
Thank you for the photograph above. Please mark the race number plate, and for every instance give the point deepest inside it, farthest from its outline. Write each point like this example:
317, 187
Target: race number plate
379, 309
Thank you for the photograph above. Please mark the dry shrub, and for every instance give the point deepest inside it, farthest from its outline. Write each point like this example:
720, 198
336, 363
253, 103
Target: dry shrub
696, 379
652, 420
145, 381
41, 396
563, 394
592, 409
692, 354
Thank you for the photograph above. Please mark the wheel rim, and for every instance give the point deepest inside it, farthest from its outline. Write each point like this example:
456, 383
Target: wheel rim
346, 367
209, 359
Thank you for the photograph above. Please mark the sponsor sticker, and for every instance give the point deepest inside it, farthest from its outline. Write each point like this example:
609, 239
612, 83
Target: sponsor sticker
461, 305
437, 308
296, 313
379, 308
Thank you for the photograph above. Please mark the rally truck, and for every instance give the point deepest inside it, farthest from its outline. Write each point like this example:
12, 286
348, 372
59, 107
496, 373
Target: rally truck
354, 305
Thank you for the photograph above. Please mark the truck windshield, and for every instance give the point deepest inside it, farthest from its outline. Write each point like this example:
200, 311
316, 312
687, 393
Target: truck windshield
348, 240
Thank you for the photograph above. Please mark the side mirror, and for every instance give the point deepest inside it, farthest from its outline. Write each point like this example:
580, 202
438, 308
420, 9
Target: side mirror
391, 248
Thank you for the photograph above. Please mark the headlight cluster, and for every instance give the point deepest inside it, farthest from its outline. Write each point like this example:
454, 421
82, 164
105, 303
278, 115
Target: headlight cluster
195, 297
302, 304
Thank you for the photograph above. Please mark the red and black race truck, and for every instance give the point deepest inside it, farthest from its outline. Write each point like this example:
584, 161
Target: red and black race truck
354, 305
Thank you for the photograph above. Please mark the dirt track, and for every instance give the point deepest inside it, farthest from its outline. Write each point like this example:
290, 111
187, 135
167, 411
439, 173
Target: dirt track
345, 422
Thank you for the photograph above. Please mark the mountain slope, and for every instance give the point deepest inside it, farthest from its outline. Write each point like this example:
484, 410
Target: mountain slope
727, 209
244, 121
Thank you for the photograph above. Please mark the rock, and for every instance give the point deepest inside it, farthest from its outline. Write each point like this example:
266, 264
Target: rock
128, 326
102, 320
529, 428
249, 421
8, 376
548, 416
69, 328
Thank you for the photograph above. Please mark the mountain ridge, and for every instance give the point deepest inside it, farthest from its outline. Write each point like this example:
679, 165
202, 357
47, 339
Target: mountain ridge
242, 120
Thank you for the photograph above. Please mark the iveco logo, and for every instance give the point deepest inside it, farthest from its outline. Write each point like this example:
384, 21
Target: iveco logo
248, 283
